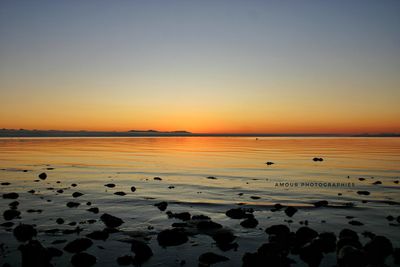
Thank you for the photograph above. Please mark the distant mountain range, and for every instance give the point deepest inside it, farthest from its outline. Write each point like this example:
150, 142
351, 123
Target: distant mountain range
144, 133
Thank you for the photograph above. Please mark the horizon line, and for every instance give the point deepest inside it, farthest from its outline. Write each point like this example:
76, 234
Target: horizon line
143, 133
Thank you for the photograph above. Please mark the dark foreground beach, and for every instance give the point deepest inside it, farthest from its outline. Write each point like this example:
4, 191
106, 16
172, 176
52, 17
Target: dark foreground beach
200, 201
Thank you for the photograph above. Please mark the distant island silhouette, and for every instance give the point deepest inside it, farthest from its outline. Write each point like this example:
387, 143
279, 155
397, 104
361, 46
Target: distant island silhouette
155, 133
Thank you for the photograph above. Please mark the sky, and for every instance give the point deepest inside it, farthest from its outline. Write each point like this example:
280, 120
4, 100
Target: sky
220, 66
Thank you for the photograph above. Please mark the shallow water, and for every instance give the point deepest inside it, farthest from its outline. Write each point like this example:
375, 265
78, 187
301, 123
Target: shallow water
238, 164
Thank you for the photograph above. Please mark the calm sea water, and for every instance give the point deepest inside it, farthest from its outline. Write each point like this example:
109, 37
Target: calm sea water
184, 163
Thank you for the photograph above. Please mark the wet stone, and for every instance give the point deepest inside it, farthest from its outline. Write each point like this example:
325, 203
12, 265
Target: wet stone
365, 193
94, 210
77, 194
125, 260
109, 185
78, 245
209, 258
72, 204
83, 260
171, 237
43, 176
24, 232
10, 195
111, 221
142, 252
60, 221
249, 223
290, 211
98, 235
162, 205
133, 189
11, 214
120, 193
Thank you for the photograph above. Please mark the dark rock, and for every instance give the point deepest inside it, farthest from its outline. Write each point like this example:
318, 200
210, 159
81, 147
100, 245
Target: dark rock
43, 176
356, 223
10, 195
5, 183
31, 191
59, 241
396, 255
365, 193
171, 187
88, 203
326, 242
98, 235
322, 203
208, 225
377, 182
142, 252
277, 207
83, 260
60, 191
11, 214
238, 213
14, 204
269, 163
77, 194
24, 232
211, 178
249, 223
304, 235
133, 189
390, 218
290, 211
7, 224
74, 185
171, 237
179, 225
120, 193
162, 205
60, 221
255, 197
349, 256
318, 159
34, 255
125, 260
110, 185
361, 179
378, 249
200, 217
184, 216
157, 178
54, 252
209, 258
223, 236
78, 245
279, 230
94, 210
72, 204
311, 254
111, 221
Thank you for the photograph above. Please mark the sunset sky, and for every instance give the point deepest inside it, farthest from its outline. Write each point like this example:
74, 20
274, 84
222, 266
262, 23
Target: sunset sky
201, 66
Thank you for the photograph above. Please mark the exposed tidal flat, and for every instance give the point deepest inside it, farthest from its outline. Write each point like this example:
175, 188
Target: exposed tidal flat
196, 201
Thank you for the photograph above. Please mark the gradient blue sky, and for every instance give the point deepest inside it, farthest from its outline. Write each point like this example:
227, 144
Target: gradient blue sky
203, 66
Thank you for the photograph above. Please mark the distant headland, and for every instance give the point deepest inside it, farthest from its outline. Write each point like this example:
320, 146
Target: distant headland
155, 133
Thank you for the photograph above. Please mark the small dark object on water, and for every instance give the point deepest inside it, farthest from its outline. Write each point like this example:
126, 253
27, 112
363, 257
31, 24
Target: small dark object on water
184, 216
43, 176
355, 223
142, 252
171, 237
83, 260
365, 193
94, 210
171, 187
11, 214
12, 195
318, 159
211, 178
255, 197
377, 182
361, 179
249, 223
60, 221
269, 163
72, 204
157, 178
209, 258
162, 205
110, 185
290, 211
77, 194
98, 235
120, 193
24, 232
78, 245
322, 203
111, 221
238, 213
133, 189
60, 191
125, 260
5, 183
